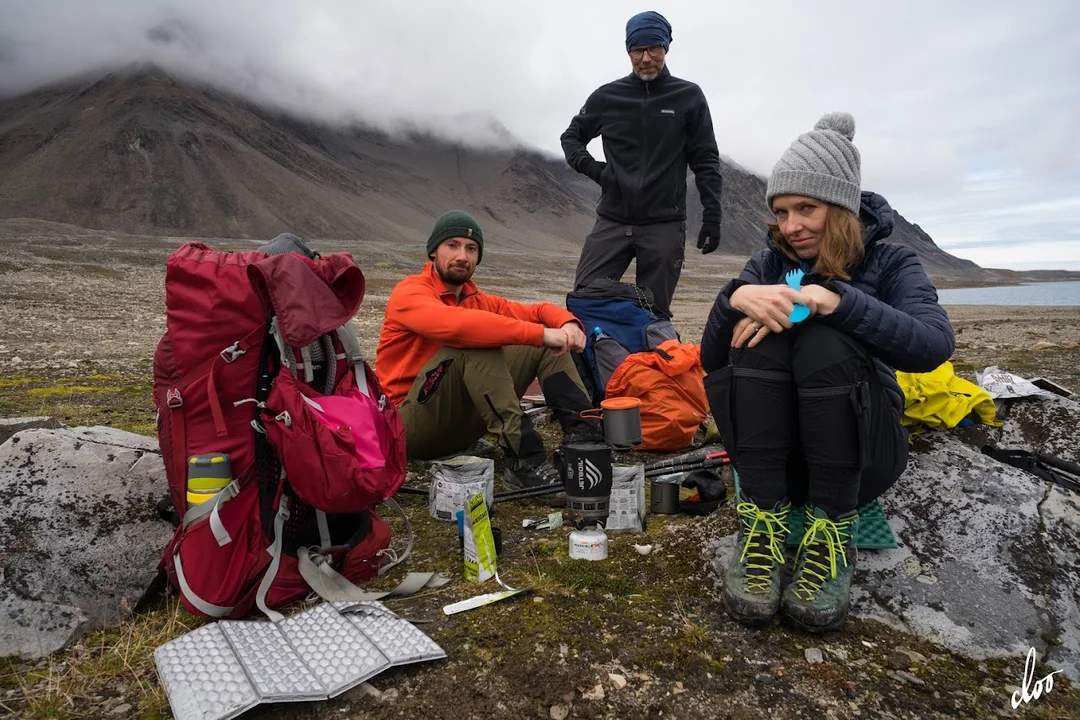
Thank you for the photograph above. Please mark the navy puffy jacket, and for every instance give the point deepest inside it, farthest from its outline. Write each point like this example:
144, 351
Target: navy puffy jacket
889, 304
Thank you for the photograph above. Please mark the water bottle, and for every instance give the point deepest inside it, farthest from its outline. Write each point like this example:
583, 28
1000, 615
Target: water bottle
207, 474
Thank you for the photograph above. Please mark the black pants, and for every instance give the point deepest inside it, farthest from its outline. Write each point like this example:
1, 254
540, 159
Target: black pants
804, 417
659, 250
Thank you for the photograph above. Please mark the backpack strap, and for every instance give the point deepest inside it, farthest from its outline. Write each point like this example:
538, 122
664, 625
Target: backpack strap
210, 507
332, 586
347, 334
205, 369
206, 608
285, 355
309, 370
396, 559
275, 560
324, 529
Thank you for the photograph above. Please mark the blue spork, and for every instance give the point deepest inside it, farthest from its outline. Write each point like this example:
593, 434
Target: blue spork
794, 281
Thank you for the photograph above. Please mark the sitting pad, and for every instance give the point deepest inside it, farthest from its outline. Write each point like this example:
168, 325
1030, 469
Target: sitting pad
874, 532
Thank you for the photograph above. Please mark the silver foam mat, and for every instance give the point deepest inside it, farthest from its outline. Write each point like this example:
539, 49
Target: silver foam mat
223, 669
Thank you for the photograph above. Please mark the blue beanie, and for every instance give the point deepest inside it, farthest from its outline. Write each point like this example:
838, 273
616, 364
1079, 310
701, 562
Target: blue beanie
646, 29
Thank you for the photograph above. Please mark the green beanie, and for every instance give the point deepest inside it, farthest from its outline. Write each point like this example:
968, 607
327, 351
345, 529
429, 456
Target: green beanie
456, 223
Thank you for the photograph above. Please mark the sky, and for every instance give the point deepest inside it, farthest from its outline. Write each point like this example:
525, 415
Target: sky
967, 112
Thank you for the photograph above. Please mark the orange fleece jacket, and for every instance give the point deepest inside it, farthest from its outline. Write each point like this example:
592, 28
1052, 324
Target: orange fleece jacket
422, 316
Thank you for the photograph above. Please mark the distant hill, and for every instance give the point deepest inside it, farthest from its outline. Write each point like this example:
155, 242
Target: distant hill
142, 153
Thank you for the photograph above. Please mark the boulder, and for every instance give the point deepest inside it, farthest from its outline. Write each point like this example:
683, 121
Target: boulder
82, 537
10, 426
988, 562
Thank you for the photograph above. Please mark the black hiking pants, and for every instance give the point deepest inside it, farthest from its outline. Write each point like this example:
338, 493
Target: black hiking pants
804, 418
659, 249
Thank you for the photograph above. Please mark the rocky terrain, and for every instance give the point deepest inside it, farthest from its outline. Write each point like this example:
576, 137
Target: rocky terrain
80, 313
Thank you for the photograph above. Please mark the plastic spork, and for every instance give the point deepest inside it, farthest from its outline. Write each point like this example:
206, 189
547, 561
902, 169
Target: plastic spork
794, 281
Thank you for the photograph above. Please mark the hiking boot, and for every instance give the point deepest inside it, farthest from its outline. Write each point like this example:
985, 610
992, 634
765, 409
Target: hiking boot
818, 597
583, 435
752, 581
522, 475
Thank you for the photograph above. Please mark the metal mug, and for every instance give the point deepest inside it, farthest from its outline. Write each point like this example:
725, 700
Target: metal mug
621, 417
664, 494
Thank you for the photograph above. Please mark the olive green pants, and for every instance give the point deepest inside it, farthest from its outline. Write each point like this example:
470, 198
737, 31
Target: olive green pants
461, 394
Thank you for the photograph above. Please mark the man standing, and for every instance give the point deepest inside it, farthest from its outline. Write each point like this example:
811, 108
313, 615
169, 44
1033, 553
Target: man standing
456, 360
653, 125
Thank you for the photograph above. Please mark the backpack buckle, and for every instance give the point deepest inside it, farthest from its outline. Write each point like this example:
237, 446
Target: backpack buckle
232, 352
172, 398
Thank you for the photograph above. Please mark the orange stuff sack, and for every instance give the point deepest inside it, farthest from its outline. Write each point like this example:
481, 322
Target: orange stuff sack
669, 383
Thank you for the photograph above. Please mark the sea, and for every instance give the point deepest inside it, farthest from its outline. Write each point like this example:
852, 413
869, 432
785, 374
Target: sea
1043, 293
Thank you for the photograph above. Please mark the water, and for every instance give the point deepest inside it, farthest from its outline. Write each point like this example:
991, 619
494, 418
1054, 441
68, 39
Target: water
1050, 293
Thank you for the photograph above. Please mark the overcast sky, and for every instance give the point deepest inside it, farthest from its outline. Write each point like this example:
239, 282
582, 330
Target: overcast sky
967, 112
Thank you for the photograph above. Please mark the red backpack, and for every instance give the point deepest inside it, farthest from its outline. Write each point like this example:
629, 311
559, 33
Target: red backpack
260, 364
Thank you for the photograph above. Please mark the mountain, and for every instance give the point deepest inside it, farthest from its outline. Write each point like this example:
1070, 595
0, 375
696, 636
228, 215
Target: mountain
143, 153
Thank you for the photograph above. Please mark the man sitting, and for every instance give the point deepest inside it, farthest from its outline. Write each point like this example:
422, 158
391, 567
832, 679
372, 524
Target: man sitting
456, 360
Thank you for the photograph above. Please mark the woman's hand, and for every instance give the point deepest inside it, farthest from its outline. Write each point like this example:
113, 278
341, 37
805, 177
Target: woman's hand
825, 300
769, 305
748, 332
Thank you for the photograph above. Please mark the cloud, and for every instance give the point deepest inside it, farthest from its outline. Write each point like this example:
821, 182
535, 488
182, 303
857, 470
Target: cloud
942, 93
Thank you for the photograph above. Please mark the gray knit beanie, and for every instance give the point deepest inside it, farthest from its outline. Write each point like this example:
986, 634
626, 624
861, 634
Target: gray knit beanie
821, 164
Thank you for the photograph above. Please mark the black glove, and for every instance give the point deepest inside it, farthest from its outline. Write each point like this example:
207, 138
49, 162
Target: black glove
709, 486
711, 493
596, 170
709, 237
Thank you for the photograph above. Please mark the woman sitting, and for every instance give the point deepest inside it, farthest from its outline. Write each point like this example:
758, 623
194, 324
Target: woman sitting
810, 408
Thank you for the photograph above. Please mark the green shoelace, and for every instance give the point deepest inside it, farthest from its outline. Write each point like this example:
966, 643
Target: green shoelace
834, 537
772, 533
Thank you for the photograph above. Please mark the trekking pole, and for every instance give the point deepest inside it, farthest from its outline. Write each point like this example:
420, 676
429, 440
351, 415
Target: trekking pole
405, 490
690, 459
709, 462
527, 493
1058, 463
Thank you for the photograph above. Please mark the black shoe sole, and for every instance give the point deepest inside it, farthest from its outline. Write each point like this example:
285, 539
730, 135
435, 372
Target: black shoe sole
797, 624
754, 621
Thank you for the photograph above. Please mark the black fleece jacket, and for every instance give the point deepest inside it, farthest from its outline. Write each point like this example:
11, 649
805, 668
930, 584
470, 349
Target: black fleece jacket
651, 132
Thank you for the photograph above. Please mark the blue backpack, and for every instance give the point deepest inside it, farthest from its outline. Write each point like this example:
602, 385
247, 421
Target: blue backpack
619, 320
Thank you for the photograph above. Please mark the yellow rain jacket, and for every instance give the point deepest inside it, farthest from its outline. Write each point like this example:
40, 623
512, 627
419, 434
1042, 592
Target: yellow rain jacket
940, 399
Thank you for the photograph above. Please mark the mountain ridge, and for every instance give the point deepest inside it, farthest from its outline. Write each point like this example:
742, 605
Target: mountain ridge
142, 152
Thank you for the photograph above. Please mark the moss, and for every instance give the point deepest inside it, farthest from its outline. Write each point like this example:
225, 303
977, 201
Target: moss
68, 390
119, 400
14, 382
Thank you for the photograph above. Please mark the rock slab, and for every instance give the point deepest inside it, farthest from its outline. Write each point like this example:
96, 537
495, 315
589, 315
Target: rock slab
81, 534
10, 426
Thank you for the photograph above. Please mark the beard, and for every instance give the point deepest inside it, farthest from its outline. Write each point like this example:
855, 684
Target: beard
454, 274
650, 74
